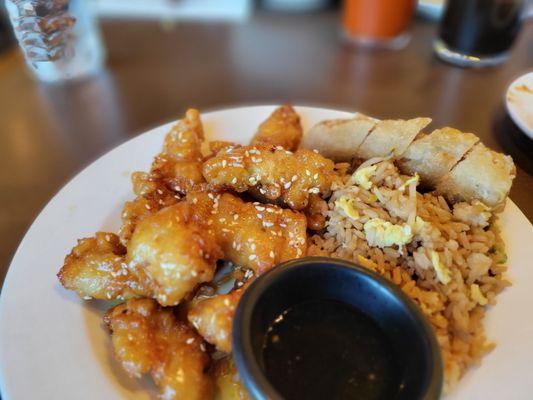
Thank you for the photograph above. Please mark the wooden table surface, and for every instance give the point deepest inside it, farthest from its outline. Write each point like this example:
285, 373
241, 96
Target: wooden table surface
48, 133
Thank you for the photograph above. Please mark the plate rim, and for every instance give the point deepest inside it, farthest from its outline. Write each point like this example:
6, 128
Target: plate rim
511, 109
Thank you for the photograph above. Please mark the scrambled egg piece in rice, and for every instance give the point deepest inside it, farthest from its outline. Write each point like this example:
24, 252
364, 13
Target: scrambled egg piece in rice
381, 233
443, 273
362, 176
345, 203
477, 296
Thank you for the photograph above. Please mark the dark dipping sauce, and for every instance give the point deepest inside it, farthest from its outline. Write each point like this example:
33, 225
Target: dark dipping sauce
325, 349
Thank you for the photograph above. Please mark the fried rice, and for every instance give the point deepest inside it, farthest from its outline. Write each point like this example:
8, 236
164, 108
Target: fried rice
448, 259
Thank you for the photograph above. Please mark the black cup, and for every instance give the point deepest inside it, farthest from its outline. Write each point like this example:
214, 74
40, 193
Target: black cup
321, 278
478, 33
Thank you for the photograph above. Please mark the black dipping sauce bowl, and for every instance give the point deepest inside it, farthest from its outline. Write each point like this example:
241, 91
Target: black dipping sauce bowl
414, 351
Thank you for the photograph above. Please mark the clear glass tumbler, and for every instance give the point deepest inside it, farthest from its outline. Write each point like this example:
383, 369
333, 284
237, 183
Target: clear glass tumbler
478, 33
59, 38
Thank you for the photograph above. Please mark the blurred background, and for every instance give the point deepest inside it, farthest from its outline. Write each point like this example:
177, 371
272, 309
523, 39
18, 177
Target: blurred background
89, 75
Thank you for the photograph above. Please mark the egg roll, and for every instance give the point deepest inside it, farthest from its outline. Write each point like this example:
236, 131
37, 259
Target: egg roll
483, 175
434, 155
391, 137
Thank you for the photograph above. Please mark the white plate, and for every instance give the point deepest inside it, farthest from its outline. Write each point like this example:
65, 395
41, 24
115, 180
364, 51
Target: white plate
53, 345
519, 101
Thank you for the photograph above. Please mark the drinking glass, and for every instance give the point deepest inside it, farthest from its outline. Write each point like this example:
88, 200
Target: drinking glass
478, 33
378, 23
59, 38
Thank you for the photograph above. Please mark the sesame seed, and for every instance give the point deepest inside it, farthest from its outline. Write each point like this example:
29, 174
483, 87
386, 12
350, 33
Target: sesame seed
209, 222
107, 238
252, 246
315, 176
271, 254
194, 200
260, 216
194, 273
252, 257
287, 185
224, 163
147, 206
260, 208
235, 217
307, 172
294, 178
226, 302
189, 341
315, 151
202, 346
159, 191
234, 180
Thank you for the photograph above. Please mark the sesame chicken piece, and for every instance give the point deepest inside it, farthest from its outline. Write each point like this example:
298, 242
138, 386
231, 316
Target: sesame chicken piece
315, 213
228, 384
281, 128
171, 253
213, 316
95, 268
175, 170
252, 235
277, 174
148, 339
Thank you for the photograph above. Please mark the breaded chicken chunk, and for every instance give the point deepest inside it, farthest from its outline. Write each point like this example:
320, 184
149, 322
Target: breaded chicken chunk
281, 128
149, 339
276, 174
171, 253
212, 317
175, 170
95, 268
145, 204
228, 384
315, 212
252, 235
